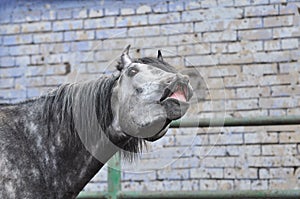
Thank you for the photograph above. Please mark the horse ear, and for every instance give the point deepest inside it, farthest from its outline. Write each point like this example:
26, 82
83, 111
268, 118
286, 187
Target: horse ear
125, 58
159, 56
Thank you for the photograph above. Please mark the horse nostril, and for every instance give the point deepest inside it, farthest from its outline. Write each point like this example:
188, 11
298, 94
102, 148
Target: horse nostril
138, 90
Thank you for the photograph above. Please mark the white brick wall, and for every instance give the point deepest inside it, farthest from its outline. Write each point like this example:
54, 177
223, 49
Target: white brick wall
244, 53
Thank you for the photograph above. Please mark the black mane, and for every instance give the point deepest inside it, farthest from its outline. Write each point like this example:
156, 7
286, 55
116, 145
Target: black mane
58, 108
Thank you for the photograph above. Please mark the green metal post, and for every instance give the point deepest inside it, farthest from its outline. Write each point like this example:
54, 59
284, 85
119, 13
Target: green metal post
114, 176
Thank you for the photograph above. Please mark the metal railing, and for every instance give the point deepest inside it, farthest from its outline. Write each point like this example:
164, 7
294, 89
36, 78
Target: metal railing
114, 171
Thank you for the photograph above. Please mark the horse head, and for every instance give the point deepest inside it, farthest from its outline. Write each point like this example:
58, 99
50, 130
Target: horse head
147, 96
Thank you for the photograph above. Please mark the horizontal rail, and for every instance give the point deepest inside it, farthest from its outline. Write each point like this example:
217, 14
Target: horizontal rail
211, 194
227, 122
197, 194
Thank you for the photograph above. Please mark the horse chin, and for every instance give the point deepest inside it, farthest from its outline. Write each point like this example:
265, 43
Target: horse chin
175, 109
161, 133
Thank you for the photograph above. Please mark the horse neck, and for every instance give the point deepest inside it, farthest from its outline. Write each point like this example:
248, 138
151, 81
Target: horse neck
64, 162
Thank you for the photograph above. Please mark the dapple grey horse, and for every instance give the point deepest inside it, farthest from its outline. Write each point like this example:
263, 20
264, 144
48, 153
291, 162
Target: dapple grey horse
51, 146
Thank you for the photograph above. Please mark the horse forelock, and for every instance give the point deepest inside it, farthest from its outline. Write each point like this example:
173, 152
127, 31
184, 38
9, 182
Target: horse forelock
152, 62
156, 63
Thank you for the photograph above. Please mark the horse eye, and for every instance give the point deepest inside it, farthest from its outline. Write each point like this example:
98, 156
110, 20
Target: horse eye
132, 71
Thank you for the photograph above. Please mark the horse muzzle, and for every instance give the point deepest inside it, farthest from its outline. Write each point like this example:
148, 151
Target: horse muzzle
175, 98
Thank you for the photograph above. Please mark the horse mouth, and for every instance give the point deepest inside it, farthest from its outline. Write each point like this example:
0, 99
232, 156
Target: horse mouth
177, 91
175, 99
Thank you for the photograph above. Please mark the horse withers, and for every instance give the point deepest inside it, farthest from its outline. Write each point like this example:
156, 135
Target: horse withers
51, 146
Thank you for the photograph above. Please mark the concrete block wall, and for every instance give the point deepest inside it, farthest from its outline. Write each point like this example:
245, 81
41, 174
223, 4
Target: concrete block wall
242, 57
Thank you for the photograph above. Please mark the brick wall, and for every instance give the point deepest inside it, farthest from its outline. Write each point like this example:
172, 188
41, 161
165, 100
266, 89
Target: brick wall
243, 58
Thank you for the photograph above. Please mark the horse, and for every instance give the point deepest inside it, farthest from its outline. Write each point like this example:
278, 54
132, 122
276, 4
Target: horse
52, 145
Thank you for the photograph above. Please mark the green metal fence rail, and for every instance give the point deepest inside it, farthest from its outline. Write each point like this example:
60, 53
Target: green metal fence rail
114, 170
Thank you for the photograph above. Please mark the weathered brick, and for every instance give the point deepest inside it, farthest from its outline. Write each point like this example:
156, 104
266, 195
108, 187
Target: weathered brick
279, 102
278, 21
289, 137
276, 56
192, 15
226, 139
127, 11
264, 10
236, 58
285, 79
259, 185
215, 25
158, 41
38, 91
240, 173
173, 174
279, 150
36, 27
48, 37
13, 94
81, 46
10, 29
247, 23
272, 45
261, 137
242, 184
208, 185
144, 31
228, 35
143, 9
282, 91
130, 21
289, 67
35, 81
206, 173
55, 80
177, 28
252, 92
7, 61
96, 12
11, 72
290, 43
79, 35
112, 33
79, 13
259, 34
250, 3
48, 15
260, 69
201, 60
24, 50
67, 25
49, 70
64, 14
284, 32
17, 39
288, 8
240, 81
6, 83
173, 17
111, 11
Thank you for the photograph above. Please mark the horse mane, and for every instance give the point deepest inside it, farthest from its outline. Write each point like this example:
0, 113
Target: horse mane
85, 108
